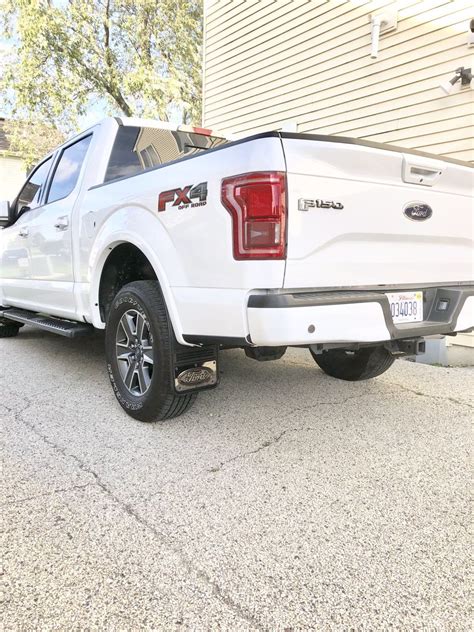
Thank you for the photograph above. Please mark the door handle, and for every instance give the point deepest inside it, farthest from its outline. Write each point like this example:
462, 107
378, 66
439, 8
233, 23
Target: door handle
62, 222
24, 231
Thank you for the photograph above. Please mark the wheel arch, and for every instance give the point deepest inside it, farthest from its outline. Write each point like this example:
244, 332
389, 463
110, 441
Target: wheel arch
142, 261
124, 263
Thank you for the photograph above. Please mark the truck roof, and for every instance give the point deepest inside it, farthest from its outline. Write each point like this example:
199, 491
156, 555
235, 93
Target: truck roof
156, 123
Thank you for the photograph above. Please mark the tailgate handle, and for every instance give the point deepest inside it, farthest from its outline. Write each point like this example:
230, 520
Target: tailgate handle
424, 171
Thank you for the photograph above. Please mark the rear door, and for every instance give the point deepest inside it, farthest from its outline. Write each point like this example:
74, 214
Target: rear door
365, 216
50, 234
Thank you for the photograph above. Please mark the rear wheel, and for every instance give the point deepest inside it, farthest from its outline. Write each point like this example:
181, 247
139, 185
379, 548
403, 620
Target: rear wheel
353, 366
8, 329
139, 348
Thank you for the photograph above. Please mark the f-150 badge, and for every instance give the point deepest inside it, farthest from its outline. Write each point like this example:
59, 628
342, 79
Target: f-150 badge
183, 198
306, 205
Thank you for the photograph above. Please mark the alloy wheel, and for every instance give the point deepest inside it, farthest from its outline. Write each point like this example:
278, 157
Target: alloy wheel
134, 352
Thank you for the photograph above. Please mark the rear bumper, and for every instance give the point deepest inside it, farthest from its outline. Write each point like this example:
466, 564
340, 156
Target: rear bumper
306, 318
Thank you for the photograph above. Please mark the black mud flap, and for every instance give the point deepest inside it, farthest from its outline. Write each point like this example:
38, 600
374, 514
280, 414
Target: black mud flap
195, 368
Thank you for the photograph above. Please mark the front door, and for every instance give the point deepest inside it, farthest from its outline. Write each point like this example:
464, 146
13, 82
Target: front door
15, 266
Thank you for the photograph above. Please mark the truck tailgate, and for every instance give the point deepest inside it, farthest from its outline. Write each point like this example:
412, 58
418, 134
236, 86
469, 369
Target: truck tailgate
405, 219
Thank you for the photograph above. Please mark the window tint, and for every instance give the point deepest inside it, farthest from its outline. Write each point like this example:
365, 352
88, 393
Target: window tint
30, 194
68, 169
138, 148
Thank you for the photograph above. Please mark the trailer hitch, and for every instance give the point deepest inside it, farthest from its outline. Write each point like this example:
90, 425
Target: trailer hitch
406, 347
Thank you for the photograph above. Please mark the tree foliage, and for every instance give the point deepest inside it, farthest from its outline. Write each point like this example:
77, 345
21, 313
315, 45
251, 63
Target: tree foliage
139, 57
31, 140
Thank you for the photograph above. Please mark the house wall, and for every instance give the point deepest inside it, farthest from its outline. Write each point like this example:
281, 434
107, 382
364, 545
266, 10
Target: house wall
305, 66
267, 62
12, 176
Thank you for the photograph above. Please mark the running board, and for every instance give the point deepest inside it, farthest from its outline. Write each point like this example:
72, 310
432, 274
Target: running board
67, 328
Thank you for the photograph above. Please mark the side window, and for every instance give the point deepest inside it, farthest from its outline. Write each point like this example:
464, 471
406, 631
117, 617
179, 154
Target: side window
138, 148
68, 170
30, 194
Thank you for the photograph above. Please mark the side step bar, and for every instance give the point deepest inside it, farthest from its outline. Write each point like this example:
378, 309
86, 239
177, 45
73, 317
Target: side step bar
60, 326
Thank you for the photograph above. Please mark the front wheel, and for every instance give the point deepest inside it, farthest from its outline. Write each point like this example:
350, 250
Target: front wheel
353, 366
8, 328
139, 347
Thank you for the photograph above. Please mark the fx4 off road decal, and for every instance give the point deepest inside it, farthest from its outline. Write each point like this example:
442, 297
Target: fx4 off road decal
187, 197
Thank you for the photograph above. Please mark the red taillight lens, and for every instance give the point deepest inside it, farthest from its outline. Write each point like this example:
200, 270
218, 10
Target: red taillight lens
257, 204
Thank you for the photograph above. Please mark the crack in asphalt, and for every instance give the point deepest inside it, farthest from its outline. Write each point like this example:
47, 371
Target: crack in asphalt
45, 494
267, 443
217, 591
264, 445
438, 398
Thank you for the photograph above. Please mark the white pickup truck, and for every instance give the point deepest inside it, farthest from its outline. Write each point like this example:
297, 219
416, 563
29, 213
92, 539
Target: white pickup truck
180, 243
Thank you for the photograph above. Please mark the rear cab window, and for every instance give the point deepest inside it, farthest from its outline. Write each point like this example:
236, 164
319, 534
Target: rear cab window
139, 148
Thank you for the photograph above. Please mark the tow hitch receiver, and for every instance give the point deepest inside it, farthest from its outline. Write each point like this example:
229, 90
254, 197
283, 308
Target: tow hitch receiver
195, 369
408, 347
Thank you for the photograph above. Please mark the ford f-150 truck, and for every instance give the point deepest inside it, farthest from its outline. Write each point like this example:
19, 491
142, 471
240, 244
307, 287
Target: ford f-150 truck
181, 243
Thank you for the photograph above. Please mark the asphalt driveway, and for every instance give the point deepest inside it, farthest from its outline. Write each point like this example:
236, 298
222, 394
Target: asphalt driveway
284, 500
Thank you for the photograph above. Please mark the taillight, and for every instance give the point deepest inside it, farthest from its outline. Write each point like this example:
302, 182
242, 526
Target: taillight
257, 204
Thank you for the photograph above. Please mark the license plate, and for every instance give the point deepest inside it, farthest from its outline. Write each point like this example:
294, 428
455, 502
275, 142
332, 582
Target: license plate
406, 307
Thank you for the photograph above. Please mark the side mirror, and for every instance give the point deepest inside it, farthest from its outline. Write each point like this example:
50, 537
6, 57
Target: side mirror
4, 213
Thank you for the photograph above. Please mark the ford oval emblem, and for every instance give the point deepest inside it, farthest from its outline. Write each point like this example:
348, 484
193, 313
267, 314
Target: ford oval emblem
418, 211
195, 376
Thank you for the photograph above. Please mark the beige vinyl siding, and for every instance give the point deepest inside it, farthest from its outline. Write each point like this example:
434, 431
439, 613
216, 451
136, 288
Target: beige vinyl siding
268, 62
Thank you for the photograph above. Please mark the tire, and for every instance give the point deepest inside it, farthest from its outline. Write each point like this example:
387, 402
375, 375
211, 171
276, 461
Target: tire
9, 329
353, 366
140, 364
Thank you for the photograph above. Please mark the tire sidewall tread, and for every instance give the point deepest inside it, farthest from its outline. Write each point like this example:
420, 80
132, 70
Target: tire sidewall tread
9, 330
160, 400
365, 364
